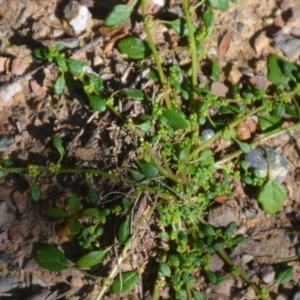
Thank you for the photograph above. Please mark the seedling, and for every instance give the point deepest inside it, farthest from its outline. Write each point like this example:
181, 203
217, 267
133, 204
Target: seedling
177, 164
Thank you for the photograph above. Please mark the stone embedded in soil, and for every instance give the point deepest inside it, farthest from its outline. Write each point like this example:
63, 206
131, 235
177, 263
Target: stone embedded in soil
279, 164
282, 297
78, 16
267, 274
289, 45
225, 287
6, 143
221, 216
216, 263
219, 89
207, 134
261, 81
261, 42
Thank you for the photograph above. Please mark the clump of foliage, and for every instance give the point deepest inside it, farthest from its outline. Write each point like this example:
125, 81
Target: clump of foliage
177, 164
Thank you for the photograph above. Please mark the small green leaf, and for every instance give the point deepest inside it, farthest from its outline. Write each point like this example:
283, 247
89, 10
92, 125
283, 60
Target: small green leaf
215, 71
198, 295
124, 231
240, 239
164, 270
231, 229
148, 169
59, 46
176, 119
40, 53
271, 196
93, 195
96, 81
288, 69
58, 145
90, 212
279, 111
208, 230
145, 127
136, 175
275, 73
74, 226
92, 259
212, 277
180, 27
51, 259
119, 14
208, 17
134, 48
134, 94
222, 5
59, 85
245, 147
268, 122
61, 61
125, 202
2, 173
35, 192
97, 103
75, 66
56, 213
284, 275
74, 204
184, 153
125, 282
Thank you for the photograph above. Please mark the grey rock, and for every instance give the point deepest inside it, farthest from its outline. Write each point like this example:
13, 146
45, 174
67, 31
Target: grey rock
289, 45
207, 134
6, 143
3, 208
279, 164
6, 285
221, 216
216, 263
296, 296
6, 259
267, 274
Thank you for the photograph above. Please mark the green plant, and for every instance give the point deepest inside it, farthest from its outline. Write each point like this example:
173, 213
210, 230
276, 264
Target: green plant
176, 163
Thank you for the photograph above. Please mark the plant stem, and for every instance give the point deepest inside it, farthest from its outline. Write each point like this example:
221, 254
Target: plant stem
218, 134
162, 171
226, 258
157, 59
263, 138
141, 186
113, 272
192, 47
155, 293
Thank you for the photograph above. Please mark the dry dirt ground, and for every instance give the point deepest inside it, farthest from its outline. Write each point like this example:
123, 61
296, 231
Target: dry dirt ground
241, 41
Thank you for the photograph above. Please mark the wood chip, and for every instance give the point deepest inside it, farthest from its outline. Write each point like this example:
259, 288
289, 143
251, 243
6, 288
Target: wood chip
224, 44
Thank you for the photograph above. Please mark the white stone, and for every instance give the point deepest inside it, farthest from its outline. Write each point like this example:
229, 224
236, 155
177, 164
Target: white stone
267, 274
7, 92
78, 16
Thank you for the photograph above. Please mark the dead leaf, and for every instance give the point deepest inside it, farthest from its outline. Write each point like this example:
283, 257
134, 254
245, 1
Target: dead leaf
224, 44
109, 31
220, 199
37, 89
112, 42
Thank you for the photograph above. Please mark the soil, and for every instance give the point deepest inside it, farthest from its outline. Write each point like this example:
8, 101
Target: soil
243, 37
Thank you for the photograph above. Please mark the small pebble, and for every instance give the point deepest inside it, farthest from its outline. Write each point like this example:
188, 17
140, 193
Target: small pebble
298, 249
296, 296
282, 297
207, 134
267, 274
279, 164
